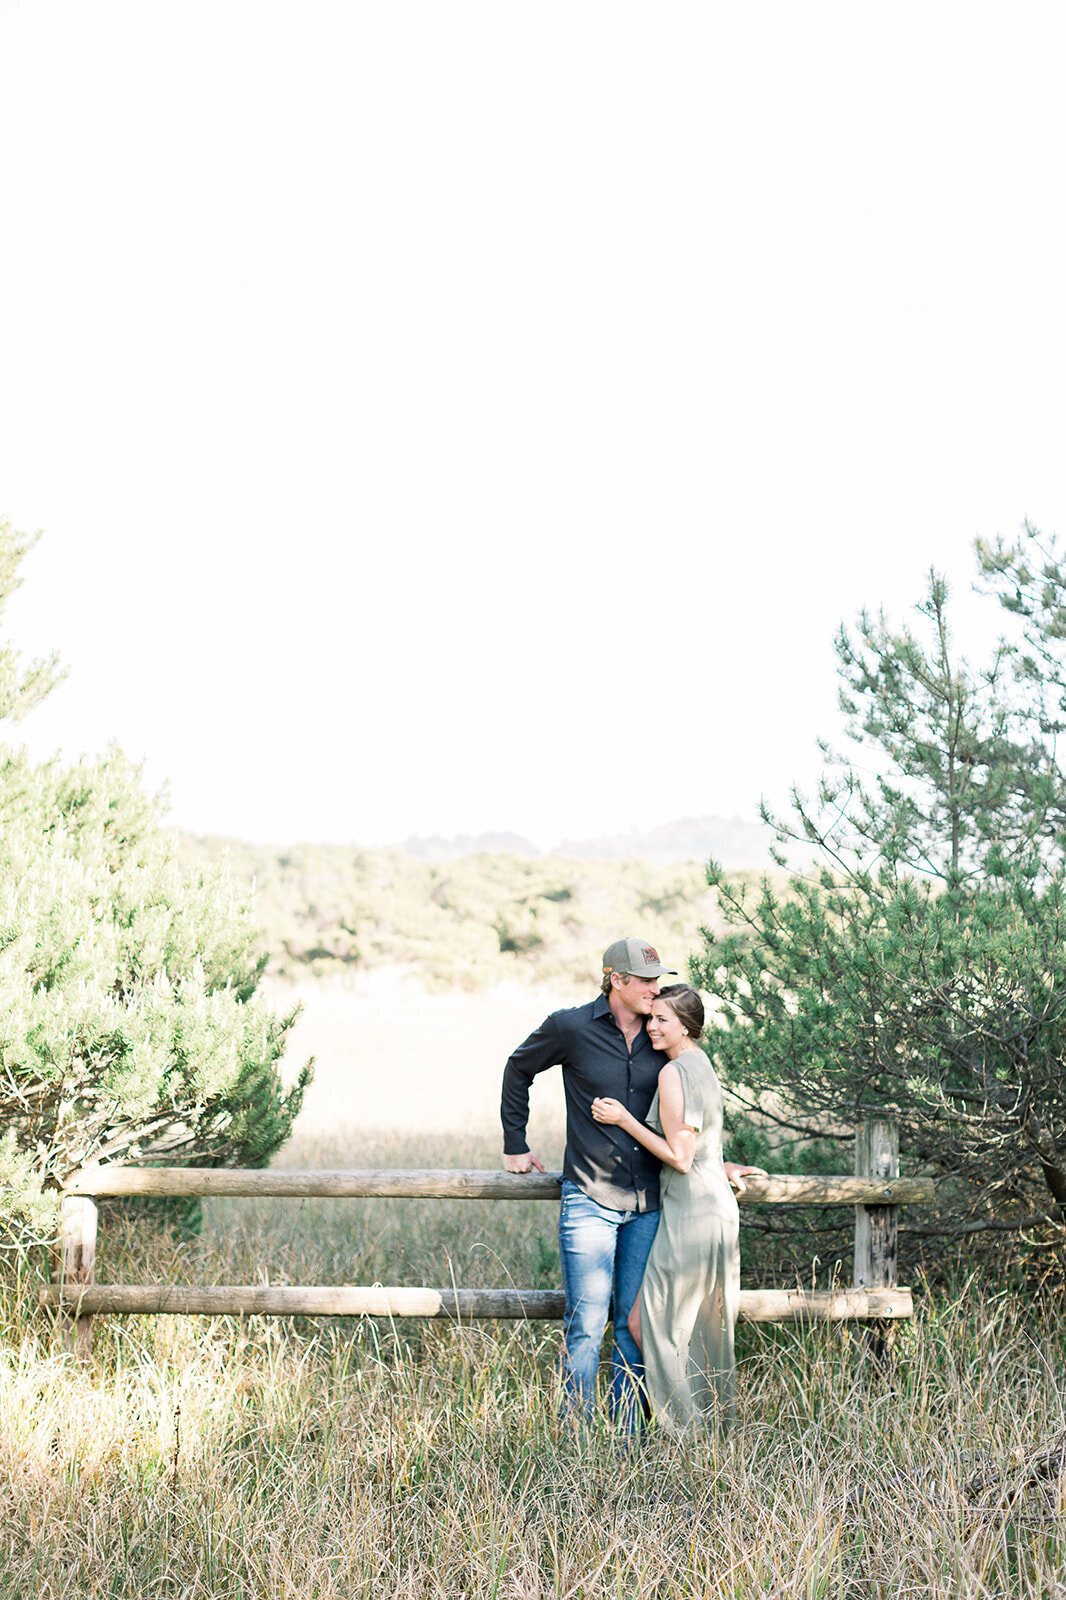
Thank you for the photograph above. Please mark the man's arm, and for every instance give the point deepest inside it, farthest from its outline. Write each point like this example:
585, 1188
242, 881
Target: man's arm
543, 1049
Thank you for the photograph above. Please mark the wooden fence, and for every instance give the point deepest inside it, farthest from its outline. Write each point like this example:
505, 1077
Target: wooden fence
875, 1191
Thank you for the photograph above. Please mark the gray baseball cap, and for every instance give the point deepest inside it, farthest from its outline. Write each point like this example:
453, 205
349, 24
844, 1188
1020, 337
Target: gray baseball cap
635, 956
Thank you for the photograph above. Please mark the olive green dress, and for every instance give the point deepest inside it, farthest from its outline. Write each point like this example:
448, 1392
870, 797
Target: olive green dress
691, 1287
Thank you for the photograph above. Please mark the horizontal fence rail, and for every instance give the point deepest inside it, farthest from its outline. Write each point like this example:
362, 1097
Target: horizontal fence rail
457, 1184
264, 1300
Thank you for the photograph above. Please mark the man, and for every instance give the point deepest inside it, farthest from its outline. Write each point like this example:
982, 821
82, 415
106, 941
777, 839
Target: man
610, 1204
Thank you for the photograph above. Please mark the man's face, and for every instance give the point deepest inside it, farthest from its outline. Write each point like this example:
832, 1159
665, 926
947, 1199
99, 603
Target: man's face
636, 994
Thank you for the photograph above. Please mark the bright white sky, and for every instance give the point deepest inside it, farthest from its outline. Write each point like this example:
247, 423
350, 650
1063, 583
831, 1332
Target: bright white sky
417, 398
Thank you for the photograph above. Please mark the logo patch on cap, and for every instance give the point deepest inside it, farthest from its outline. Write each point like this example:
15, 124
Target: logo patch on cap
651, 956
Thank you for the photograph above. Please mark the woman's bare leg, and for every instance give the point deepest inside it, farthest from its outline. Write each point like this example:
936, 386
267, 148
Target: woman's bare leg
633, 1323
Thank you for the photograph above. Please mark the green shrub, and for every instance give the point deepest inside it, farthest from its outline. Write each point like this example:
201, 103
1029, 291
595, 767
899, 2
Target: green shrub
129, 1024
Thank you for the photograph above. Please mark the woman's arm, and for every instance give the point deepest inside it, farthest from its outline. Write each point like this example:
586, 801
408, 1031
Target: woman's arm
679, 1145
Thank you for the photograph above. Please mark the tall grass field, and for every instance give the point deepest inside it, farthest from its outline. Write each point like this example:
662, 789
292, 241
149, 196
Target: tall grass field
302, 1460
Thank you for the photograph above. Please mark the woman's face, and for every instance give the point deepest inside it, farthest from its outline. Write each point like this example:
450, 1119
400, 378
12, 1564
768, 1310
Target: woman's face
665, 1029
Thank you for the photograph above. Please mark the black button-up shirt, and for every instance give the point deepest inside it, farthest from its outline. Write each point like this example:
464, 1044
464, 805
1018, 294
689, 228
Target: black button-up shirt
591, 1049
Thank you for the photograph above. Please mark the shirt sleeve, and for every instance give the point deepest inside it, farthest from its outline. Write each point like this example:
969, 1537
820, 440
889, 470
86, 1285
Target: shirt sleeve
543, 1049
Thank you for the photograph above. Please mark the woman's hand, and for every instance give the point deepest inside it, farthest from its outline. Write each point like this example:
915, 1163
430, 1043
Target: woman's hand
604, 1109
736, 1175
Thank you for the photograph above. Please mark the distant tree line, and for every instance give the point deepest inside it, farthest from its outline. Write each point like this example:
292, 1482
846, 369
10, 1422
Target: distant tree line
329, 910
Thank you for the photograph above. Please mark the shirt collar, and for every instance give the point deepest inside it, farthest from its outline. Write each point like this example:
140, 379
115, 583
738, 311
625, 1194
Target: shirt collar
601, 1008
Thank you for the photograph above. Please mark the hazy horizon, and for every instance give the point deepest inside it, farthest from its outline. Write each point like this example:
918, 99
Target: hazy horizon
735, 841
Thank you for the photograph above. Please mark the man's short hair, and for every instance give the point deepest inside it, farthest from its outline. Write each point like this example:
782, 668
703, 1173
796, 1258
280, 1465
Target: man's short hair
605, 986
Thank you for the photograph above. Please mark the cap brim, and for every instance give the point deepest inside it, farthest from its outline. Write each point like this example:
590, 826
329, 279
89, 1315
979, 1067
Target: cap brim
654, 972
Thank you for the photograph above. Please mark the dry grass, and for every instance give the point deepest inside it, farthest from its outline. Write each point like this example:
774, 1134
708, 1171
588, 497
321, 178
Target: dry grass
307, 1461
286, 1460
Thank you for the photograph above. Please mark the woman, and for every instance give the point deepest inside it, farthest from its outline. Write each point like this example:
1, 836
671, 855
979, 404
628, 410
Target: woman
687, 1306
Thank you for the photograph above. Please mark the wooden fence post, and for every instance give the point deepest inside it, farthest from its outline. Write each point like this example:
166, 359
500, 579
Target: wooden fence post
876, 1227
77, 1265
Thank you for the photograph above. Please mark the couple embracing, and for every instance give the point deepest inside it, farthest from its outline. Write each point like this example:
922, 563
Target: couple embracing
648, 1229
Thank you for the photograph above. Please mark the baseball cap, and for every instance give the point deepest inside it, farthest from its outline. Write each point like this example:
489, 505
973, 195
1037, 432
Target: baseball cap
635, 956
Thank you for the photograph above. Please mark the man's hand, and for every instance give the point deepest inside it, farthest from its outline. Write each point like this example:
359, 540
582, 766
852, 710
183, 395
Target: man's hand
737, 1173
523, 1163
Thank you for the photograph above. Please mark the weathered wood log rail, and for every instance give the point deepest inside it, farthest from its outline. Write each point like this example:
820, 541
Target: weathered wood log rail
875, 1192
452, 1183
257, 1299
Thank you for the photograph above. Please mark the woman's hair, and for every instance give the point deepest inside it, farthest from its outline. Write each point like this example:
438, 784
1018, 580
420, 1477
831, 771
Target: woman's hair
686, 1005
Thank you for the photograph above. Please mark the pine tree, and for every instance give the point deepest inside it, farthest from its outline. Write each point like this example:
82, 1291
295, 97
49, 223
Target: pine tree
130, 1027
919, 964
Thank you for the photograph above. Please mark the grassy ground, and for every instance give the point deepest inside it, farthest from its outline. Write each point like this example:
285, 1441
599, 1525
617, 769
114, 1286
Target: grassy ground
307, 1461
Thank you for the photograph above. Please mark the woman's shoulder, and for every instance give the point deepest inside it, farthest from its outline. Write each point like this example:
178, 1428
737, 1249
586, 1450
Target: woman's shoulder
693, 1060
696, 1072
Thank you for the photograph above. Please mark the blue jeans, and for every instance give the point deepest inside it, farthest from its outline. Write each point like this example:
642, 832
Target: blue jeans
603, 1253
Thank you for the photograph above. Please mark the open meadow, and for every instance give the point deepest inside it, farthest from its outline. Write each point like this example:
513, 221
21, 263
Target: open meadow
293, 1460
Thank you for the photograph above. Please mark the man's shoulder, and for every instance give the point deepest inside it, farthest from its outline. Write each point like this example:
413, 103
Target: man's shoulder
571, 1018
